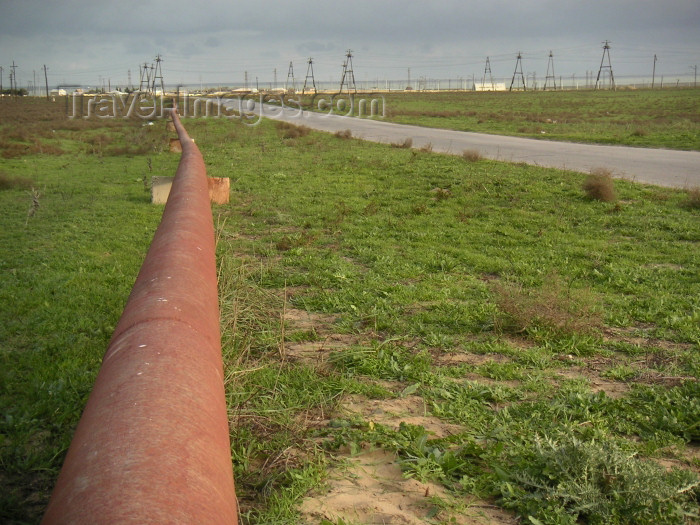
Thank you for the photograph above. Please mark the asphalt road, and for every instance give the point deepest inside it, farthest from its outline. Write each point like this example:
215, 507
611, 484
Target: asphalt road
662, 167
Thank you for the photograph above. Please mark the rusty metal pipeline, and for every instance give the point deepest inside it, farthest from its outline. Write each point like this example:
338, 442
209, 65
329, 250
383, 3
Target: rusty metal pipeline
152, 445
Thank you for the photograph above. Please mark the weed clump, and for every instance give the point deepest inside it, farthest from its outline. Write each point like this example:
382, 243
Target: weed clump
555, 306
406, 144
471, 155
441, 194
693, 201
596, 482
344, 134
290, 131
8, 182
599, 185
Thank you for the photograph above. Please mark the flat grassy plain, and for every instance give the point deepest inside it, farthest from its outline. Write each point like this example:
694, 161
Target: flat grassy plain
503, 344
667, 118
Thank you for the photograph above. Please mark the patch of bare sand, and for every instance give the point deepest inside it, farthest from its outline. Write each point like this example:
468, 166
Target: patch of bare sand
370, 489
314, 352
393, 412
303, 320
460, 358
637, 336
613, 389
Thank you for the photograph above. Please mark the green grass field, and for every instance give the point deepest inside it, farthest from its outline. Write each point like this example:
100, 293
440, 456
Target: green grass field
510, 344
646, 118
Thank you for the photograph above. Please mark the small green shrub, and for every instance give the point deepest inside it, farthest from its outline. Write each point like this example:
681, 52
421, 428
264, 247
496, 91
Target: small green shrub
570, 481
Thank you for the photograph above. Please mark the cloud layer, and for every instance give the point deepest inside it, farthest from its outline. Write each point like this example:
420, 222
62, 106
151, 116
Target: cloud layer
218, 41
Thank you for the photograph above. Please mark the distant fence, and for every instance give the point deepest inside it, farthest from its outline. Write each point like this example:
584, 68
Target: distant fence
467, 83
152, 445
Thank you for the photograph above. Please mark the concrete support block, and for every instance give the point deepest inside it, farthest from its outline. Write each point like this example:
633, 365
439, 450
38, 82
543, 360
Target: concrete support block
160, 189
219, 189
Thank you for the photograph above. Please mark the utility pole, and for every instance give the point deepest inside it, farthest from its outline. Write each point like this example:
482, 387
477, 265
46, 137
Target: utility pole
518, 63
653, 72
310, 68
46, 79
245, 80
408, 86
695, 69
1, 70
290, 75
145, 79
554, 79
274, 73
13, 78
606, 51
158, 74
348, 72
487, 69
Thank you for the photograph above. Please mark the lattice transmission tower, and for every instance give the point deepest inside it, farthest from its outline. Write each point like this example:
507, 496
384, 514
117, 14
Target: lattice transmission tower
518, 71
608, 68
552, 77
158, 76
348, 77
290, 76
309, 75
487, 70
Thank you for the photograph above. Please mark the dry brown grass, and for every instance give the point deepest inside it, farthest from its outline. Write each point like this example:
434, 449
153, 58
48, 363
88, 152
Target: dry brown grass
29, 125
441, 194
471, 155
555, 306
291, 131
12, 150
407, 143
599, 185
8, 182
693, 201
345, 134
428, 148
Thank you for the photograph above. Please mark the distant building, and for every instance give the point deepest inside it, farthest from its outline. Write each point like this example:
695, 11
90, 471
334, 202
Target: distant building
488, 86
58, 92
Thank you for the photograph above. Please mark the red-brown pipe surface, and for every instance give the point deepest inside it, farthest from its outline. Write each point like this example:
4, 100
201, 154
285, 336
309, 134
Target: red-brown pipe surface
152, 445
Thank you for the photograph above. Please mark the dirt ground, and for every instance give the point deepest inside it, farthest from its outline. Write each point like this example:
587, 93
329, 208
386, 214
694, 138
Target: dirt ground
368, 487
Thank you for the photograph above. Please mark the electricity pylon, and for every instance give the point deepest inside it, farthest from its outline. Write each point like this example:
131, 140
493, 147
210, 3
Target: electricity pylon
158, 74
518, 63
487, 69
554, 79
348, 73
310, 68
290, 75
606, 51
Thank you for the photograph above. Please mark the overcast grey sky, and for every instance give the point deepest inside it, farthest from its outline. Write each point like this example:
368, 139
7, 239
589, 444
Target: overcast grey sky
85, 41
